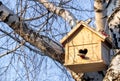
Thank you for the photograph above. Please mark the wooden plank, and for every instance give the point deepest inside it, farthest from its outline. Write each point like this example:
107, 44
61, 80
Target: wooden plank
66, 53
89, 67
91, 56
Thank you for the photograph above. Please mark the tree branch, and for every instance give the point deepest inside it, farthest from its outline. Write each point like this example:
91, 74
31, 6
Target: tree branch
19, 41
45, 44
66, 15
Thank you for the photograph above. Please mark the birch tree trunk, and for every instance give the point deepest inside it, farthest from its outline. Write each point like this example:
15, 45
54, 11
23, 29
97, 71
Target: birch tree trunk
113, 73
100, 13
45, 44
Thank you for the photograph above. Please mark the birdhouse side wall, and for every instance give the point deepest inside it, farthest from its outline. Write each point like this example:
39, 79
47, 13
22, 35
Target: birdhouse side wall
105, 53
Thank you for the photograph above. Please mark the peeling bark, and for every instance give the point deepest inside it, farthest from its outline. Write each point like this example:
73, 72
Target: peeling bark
66, 15
114, 26
45, 44
113, 73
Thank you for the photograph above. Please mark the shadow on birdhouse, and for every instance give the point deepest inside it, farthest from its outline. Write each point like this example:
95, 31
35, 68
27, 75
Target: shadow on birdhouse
85, 48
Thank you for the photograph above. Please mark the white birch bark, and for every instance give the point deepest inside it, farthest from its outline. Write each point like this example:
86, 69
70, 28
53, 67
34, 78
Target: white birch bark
100, 13
66, 15
113, 73
45, 44
114, 26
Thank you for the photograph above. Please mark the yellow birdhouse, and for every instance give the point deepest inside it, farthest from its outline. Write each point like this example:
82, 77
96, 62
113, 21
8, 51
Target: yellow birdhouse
86, 50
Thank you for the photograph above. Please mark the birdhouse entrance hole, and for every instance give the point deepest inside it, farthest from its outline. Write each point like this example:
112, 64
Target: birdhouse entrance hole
82, 53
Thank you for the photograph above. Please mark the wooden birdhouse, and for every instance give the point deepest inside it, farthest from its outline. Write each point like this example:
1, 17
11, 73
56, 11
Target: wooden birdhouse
86, 50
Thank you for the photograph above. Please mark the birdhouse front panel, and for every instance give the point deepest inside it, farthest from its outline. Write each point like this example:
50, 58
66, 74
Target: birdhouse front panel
91, 55
81, 40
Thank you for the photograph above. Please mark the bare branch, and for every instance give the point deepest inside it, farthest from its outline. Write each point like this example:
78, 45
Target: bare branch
35, 18
19, 41
44, 43
59, 11
10, 52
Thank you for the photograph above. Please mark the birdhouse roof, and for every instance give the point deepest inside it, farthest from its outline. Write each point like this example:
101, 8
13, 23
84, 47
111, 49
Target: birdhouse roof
78, 27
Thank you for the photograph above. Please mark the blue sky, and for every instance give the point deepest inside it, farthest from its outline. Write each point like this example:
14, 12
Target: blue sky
41, 68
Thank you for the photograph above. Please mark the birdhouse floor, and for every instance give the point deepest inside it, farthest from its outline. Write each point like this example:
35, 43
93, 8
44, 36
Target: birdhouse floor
87, 67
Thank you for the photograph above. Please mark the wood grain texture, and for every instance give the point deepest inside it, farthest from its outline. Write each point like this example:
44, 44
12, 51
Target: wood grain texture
83, 37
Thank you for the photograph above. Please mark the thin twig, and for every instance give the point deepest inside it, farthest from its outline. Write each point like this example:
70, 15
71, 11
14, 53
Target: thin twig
10, 52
